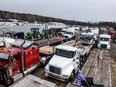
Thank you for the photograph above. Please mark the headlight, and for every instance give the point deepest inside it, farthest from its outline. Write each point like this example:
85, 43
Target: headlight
98, 45
108, 47
46, 68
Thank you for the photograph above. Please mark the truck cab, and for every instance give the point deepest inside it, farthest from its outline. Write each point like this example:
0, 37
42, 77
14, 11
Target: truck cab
86, 38
104, 41
95, 32
14, 34
70, 33
6, 41
64, 63
11, 68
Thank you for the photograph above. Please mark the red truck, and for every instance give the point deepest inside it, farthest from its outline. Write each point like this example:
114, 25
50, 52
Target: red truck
112, 33
18, 60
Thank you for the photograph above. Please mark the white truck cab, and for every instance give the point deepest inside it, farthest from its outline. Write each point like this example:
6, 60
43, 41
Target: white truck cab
70, 33
86, 38
104, 41
95, 31
6, 41
64, 63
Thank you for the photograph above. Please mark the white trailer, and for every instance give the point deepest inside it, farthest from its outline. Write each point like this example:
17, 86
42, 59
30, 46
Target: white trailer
33, 81
83, 49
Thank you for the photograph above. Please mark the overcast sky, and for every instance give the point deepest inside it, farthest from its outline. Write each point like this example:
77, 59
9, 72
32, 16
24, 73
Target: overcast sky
80, 10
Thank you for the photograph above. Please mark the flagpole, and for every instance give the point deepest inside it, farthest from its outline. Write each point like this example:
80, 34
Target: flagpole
80, 75
85, 80
87, 83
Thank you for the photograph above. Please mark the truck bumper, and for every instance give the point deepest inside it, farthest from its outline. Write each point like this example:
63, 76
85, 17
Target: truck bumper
57, 77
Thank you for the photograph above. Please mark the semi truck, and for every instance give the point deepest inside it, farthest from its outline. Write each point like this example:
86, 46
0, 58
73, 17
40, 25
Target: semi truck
112, 32
104, 41
69, 33
86, 38
17, 61
64, 63
66, 60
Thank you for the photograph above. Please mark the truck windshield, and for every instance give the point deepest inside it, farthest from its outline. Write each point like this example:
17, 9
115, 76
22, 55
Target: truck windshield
85, 37
104, 39
65, 53
69, 33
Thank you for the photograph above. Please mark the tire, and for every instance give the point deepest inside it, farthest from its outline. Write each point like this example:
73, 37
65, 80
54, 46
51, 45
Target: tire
2, 86
72, 75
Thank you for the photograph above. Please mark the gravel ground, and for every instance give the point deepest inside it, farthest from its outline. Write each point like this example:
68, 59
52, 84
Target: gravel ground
113, 63
40, 73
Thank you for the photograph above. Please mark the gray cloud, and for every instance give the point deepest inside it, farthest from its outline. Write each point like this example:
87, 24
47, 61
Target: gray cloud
80, 10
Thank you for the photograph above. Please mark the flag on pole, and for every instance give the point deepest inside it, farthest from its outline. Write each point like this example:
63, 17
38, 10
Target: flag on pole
80, 78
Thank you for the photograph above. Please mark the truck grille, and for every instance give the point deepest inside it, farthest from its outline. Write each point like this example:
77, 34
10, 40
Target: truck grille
103, 46
66, 36
54, 69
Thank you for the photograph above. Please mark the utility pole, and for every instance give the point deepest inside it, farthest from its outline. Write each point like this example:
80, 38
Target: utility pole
46, 28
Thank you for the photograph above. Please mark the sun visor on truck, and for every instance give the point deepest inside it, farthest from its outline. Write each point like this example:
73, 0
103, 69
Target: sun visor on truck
18, 43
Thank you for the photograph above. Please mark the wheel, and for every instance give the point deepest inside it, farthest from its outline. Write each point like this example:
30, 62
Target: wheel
81, 63
72, 75
2, 86
46, 74
83, 59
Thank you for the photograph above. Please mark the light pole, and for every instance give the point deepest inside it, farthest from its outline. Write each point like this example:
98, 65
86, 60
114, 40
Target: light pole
46, 28
4, 44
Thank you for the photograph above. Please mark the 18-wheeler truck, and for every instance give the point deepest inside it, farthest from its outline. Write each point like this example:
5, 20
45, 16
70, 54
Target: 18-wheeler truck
69, 33
64, 63
104, 41
17, 60
22, 58
66, 60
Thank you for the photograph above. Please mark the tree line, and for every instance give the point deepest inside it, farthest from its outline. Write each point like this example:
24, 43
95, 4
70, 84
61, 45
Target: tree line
6, 15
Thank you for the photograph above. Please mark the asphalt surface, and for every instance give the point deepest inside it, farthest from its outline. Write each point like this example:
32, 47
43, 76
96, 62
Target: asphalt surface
113, 63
